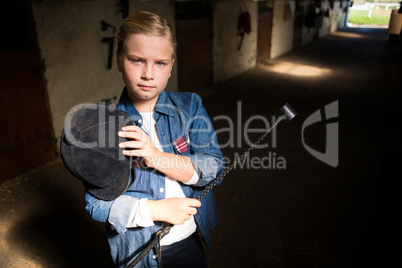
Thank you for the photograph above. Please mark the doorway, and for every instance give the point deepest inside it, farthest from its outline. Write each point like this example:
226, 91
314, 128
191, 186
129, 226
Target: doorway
265, 16
26, 137
194, 45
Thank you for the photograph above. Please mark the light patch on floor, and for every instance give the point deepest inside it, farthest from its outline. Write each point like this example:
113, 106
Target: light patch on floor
349, 35
296, 69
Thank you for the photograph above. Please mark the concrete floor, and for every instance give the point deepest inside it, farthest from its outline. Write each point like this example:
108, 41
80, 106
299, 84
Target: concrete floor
296, 212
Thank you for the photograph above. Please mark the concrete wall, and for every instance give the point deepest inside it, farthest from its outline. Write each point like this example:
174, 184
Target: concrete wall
228, 61
342, 17
330, 24
69, 35
336, 17
282, 31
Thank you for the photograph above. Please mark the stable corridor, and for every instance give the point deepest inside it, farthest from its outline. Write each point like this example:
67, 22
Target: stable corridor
283, 207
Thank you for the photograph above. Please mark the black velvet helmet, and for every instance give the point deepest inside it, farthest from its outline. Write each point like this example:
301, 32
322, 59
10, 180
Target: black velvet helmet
89, 147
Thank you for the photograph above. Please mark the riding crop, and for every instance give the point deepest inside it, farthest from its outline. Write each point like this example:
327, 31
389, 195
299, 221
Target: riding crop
285, 113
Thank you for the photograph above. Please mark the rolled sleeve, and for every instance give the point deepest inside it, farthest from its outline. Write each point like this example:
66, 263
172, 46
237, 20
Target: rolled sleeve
120, 212
207, 167
194, 179
140, 216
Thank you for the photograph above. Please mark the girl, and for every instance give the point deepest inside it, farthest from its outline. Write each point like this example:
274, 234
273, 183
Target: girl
177, 155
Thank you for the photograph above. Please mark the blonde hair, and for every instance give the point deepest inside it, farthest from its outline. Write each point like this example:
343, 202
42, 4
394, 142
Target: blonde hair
144, 22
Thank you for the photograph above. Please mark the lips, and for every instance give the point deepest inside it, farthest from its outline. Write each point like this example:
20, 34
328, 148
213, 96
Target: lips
145, 87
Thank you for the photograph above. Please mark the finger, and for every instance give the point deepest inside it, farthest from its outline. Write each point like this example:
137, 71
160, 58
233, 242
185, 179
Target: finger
132, 153
194, 203
131, 135
192, 211
132, 128
132, 144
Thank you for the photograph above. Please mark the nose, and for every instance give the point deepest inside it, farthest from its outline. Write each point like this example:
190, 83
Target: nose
147, 72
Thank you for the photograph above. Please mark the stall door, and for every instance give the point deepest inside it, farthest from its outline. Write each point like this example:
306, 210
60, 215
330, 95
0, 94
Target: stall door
26, 134
194, 54
264, 35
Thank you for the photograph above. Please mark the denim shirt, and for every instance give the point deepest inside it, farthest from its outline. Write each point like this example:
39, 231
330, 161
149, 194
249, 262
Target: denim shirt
183, 128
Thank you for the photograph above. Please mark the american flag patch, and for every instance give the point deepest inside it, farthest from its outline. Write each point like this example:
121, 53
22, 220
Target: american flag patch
181, 144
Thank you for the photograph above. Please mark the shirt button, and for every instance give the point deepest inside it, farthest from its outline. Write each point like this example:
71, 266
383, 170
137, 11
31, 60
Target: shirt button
161, 190
155, 257
163, 132
139, 121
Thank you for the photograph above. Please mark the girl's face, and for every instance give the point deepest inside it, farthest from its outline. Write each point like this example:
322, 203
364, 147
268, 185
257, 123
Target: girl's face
146, 65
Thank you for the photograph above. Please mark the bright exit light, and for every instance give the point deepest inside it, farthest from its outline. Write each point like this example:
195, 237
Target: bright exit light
297, 69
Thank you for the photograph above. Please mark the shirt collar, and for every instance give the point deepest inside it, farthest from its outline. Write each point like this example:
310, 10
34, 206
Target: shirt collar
126, 105
164, 105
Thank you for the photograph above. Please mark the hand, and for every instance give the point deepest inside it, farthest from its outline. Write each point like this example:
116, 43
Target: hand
141, 144
173, 210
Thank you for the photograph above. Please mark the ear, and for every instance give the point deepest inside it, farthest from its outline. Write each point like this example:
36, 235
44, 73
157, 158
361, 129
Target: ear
171, 68
118, 62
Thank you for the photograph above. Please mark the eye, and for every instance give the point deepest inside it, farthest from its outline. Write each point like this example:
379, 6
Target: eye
161, 63
135, 60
